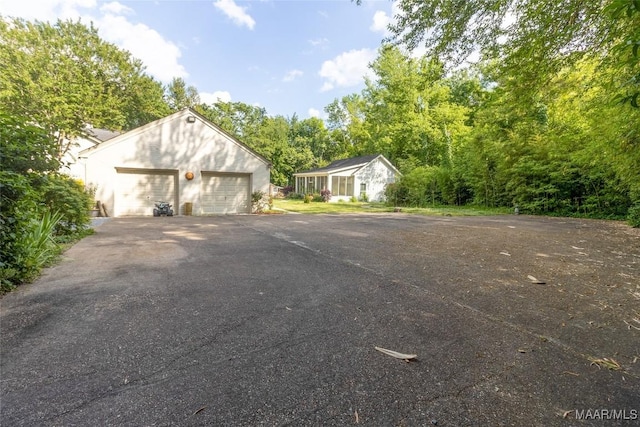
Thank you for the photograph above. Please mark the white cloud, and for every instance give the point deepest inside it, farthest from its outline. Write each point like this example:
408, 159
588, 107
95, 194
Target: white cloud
313, 112
237, 13
212, 98
321, 42
380, 22
347, 69
158, 54
116, 8
45, 10
292, 75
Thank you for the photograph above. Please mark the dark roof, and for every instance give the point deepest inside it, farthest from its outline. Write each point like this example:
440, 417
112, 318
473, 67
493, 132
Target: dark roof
344, 163
102, 134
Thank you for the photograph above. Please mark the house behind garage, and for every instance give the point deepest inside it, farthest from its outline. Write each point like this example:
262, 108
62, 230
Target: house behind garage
364, 177
183, 159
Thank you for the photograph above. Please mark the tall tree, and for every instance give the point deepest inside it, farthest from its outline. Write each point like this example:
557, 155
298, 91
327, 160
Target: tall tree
178, 95
346, 117
535, 37
240, 119
278, 139
64, 77
311, 133
409, 115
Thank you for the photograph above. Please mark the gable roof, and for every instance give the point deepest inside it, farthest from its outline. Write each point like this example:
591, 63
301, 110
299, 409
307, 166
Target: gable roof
178, 114
102, 134
344, 164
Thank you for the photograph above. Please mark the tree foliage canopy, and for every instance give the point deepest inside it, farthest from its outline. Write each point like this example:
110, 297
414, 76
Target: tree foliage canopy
536, 38
178, 95
64, 77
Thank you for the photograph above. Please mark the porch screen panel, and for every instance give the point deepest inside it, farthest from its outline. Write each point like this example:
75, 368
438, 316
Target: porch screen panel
349, 186
323, 182
335, 186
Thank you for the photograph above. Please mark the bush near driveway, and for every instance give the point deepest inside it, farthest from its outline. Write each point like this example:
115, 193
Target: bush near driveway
38, 207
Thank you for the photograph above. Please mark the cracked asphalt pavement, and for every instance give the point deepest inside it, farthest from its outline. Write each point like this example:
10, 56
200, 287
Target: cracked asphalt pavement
273, 319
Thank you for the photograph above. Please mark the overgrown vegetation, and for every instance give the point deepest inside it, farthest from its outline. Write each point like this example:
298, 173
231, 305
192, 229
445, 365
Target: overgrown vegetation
38, 207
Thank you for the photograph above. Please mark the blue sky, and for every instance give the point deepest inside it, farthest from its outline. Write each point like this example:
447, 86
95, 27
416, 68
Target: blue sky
288, 56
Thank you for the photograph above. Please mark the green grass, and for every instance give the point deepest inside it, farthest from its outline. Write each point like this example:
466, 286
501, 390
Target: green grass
299, 206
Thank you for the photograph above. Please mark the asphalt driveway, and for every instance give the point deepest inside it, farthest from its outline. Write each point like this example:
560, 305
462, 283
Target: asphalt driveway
273, 320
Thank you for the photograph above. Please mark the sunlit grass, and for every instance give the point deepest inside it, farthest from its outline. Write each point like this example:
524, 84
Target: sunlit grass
299, 206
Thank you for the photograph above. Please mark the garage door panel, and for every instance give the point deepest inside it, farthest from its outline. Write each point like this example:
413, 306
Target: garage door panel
137, 193
225, 194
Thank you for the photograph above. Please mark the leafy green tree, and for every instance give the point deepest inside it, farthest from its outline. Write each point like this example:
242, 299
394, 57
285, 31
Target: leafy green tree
409, 114
144, 102
239, 119
287, 144
25, 147
178, 95
346, 117
313, 135
64, 77
534, 38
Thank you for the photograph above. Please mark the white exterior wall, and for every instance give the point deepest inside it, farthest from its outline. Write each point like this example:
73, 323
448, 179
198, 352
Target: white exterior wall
376, 175
173, 144
74, 165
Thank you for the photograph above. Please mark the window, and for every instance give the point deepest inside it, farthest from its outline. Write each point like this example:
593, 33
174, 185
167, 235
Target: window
342, 185
363, 187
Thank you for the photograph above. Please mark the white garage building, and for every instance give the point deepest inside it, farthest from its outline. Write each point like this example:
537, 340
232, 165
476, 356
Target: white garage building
183, 159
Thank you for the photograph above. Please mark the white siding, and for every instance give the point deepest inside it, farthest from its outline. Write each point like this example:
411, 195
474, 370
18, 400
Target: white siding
376, 175
173, 144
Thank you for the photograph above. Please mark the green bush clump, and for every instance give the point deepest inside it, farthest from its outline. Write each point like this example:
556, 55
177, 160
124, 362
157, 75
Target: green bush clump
633, 215
67, 196
38, 206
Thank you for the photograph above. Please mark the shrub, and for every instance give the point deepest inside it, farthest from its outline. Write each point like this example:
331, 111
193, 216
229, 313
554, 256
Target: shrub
633, 215
288, 190
67, 196
326, 195
37, 246
259, 201
28, 225
364, 198
308, 198
18, 208
316, 197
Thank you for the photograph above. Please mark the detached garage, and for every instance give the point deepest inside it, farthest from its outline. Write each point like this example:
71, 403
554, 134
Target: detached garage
182, 159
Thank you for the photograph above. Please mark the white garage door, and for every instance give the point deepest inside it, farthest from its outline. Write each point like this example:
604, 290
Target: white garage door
137, 192
225, 194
